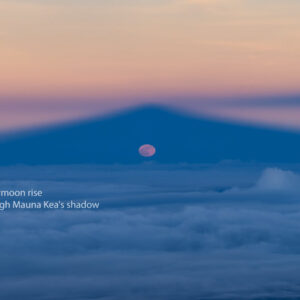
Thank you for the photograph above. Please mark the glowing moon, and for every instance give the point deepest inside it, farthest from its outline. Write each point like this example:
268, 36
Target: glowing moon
147, 150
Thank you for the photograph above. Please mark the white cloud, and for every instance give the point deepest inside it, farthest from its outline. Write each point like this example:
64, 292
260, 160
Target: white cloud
277, 179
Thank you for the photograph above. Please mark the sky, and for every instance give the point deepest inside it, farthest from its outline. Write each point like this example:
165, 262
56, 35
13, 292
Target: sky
68, 59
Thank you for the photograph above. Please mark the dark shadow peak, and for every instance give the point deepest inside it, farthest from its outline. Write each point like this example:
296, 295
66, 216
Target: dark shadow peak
177, 137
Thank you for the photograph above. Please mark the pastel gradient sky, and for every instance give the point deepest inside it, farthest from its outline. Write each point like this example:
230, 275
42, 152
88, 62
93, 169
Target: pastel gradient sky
64, 59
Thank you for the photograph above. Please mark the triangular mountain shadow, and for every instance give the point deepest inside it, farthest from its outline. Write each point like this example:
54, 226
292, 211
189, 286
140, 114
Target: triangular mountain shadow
178, 138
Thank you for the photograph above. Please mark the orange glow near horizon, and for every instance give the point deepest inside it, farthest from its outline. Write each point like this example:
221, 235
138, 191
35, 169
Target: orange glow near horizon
117, 50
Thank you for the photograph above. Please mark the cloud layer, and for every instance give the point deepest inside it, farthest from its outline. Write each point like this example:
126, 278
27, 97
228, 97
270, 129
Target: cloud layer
163, 232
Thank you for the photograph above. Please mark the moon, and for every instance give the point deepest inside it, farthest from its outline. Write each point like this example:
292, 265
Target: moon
147, 150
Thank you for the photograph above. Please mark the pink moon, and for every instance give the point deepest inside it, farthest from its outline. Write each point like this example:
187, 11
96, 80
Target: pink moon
147, 150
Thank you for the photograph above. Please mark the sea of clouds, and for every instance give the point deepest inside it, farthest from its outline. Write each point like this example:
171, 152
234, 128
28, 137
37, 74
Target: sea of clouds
225, 231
